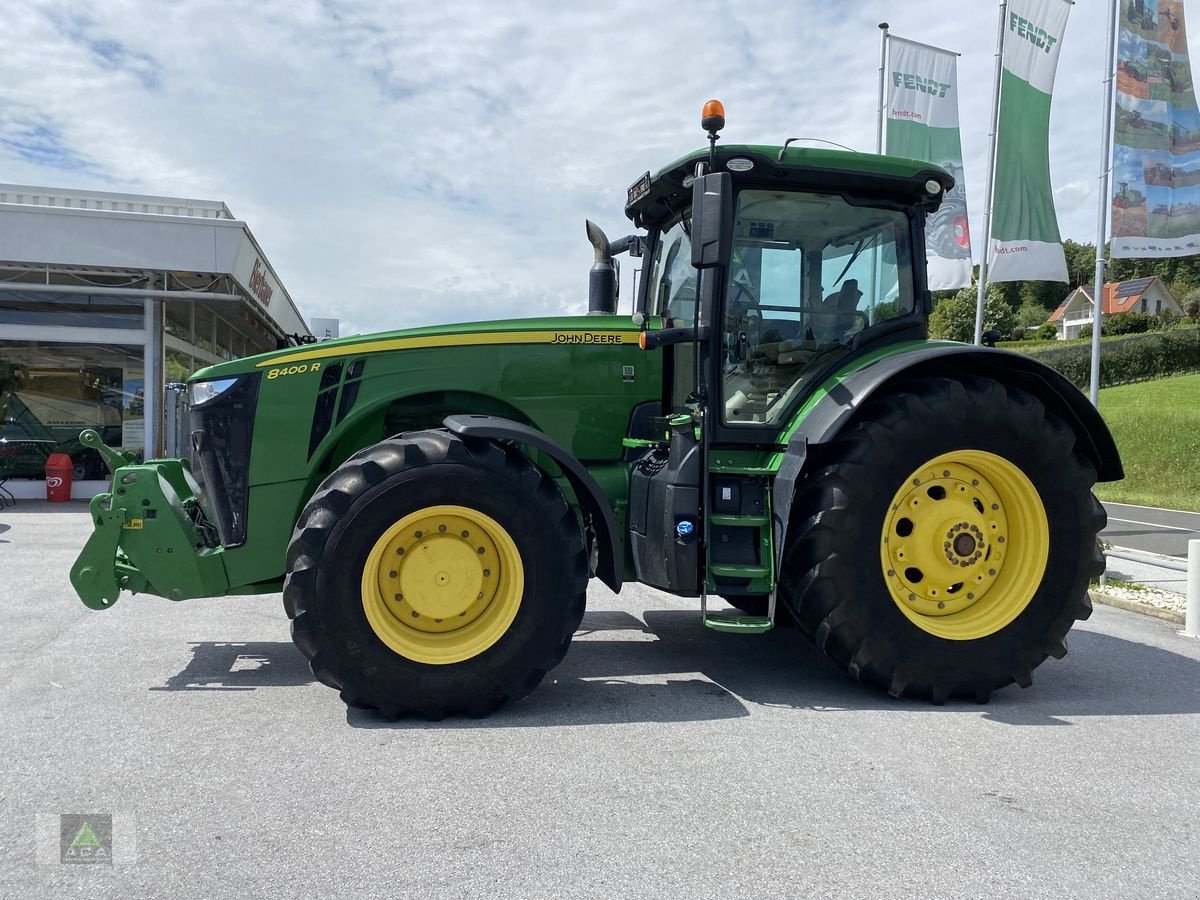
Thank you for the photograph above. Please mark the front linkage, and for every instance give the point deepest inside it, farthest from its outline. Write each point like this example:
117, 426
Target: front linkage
151, 534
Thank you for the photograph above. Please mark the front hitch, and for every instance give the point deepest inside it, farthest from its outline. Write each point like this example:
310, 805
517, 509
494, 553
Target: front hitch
151, 534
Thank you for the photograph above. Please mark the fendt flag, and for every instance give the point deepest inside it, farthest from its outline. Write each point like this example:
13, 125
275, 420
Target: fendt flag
1025, 241
1156, 138
922, 123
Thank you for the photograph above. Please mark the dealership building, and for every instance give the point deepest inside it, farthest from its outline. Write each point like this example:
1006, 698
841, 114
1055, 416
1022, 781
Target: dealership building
105, 300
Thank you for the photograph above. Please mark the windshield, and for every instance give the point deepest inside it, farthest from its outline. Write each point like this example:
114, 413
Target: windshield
809, 271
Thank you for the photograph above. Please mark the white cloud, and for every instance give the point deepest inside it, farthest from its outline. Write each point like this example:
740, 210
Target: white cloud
409, 163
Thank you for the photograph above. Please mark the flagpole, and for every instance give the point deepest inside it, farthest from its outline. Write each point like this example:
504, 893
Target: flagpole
1106, 142
991, 175
883, 39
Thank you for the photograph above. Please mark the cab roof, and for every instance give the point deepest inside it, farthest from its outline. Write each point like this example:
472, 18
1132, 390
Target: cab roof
654, 198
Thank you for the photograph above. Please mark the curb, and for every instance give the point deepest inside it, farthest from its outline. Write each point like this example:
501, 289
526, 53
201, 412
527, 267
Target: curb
1133, 606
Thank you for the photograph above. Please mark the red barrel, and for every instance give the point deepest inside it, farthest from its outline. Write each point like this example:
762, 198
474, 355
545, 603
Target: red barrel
58, 477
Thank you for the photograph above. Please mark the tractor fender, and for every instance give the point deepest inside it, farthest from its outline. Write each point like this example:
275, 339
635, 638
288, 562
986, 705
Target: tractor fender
592, 501
835, 410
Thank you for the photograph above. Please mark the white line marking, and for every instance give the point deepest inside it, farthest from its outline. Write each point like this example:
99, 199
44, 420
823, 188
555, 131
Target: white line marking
1186, 512
1152, 525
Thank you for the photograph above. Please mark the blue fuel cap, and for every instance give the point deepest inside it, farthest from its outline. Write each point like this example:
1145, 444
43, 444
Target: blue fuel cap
685, 528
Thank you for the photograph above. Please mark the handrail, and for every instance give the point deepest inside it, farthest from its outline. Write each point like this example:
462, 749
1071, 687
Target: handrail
1191, 617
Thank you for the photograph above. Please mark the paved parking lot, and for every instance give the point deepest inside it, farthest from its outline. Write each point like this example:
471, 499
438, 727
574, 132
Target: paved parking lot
660, 760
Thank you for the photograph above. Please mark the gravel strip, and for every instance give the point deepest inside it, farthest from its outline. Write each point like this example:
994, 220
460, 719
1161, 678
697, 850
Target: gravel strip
1161, 604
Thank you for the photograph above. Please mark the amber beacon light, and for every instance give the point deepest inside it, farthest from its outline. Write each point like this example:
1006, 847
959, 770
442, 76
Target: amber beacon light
713, 116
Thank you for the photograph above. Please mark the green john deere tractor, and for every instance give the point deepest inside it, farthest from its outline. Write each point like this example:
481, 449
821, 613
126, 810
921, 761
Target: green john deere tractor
771, 427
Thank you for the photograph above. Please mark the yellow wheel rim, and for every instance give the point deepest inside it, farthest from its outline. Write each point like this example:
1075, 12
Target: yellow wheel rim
964, 545
443, 584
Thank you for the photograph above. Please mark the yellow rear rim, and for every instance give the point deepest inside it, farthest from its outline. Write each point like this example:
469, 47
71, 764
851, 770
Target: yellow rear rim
443, 584
964, 546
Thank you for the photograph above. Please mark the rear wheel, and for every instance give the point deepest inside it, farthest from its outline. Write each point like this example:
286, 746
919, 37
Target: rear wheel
945, 541
433, 575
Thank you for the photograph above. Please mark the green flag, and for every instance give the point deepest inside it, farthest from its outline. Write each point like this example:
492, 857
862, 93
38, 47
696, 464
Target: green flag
1025, 241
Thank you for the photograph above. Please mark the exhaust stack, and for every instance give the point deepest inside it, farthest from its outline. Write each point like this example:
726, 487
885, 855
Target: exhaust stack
602, 279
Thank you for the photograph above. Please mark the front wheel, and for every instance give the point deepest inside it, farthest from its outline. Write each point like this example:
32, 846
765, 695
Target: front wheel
944, 543
434, 575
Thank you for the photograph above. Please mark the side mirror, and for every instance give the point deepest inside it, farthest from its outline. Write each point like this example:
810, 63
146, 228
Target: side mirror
712, 220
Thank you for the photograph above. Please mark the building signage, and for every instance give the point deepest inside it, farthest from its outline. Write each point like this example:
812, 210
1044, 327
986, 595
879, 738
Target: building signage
259, 286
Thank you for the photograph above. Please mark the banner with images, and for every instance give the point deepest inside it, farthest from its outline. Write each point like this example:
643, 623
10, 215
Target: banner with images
1025, 240
1156, 135
922, 123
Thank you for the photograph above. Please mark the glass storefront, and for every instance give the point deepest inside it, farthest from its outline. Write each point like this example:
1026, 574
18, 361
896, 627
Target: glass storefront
70, 310
130, 295
50, 392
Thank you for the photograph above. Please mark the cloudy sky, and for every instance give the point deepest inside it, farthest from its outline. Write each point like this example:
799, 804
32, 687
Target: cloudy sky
406, 163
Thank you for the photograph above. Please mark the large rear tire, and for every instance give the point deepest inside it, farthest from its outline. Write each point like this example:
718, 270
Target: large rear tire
435, 575
944, 542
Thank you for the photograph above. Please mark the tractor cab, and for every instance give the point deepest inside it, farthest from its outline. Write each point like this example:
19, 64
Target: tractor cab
767, 269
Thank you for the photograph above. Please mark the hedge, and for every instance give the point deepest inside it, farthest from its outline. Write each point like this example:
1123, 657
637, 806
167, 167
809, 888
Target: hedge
1134, 357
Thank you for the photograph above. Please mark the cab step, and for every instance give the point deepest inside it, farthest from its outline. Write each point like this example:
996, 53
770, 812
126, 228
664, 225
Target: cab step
733, 570
730, 623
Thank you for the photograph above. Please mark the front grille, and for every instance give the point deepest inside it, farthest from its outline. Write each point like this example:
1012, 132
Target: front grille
221, 438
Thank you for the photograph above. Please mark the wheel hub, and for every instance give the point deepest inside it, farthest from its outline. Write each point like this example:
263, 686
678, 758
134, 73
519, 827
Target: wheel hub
944, 542
442, 584
964, 545
442, 574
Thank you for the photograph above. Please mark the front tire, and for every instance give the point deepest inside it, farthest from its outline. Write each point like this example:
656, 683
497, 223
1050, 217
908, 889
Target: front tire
944, 542
434, 575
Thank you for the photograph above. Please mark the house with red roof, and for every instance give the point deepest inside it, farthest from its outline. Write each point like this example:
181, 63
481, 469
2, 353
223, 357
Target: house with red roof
1147, 295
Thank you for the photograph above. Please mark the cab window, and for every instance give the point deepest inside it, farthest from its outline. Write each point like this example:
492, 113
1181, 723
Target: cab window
672, 295
809, 271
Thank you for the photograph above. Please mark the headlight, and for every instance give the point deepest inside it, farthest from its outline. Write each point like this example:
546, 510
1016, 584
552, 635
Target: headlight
207, 391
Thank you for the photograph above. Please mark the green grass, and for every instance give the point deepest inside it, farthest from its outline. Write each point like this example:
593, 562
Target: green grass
1157, 428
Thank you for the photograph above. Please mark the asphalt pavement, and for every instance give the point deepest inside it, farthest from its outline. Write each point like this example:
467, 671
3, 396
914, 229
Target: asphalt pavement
1149, 530
659, 760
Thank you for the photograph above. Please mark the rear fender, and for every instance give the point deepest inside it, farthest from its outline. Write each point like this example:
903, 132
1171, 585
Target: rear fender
836, 409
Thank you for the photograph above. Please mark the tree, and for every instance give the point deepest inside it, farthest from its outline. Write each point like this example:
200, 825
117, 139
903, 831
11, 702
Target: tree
1081, 262
1031, 314
954, 319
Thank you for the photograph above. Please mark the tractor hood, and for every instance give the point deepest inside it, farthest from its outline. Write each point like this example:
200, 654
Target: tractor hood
560, 330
